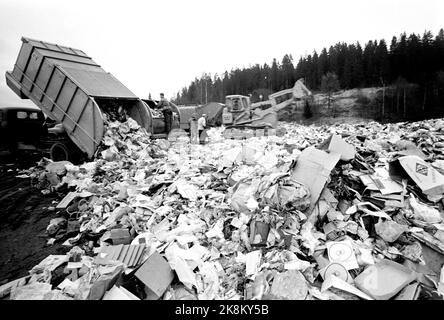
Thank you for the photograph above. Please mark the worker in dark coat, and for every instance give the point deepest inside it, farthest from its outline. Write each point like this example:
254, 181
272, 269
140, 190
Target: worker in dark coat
165, 107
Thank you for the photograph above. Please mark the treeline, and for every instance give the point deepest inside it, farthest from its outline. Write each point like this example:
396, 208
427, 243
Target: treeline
257, 81
409, 60
414, 58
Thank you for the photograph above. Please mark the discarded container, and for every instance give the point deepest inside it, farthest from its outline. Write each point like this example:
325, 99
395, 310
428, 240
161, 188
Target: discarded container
384, 279
129, 255
429, 180
120, 236
156, 274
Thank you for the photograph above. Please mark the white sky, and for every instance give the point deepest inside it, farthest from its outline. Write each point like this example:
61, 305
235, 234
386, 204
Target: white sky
161, 46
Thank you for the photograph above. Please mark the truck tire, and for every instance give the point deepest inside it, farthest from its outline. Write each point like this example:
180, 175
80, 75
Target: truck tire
60, 152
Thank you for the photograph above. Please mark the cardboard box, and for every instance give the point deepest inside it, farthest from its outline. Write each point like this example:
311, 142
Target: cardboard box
120, 236
156, 274
104, 283
336, 144
313, 170
129, 255
381, 181
429, 180
384, 279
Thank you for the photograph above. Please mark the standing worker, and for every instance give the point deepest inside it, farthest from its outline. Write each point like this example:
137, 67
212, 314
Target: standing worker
201, 125
194, 133
164, 106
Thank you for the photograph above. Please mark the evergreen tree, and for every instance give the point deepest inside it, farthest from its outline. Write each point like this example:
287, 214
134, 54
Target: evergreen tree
274, 75
287, 71
330, 84
323, 66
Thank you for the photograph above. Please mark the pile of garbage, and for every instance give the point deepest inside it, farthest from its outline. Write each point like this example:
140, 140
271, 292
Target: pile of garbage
329, 213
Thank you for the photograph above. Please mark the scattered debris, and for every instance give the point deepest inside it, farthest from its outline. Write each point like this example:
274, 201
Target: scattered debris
314, 213
289, 285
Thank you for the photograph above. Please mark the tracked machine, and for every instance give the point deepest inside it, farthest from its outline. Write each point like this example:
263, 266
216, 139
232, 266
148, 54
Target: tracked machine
243, 119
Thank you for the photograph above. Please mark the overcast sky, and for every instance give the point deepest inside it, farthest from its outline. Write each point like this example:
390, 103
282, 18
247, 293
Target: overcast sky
161, 46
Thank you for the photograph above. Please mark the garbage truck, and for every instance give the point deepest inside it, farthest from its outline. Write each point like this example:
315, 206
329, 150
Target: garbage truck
76, 92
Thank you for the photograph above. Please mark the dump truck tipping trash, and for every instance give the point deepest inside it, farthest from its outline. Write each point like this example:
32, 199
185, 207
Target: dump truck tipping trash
72, 89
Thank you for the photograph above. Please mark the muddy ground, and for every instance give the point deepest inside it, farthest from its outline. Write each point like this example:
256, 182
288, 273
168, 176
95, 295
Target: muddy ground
23, 220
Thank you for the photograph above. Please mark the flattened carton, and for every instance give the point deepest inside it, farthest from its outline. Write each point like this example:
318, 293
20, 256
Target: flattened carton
336, 144
313, 169
156, 274
429, 180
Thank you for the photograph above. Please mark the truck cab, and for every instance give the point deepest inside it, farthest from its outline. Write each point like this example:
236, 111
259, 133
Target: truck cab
21, 128
234, 104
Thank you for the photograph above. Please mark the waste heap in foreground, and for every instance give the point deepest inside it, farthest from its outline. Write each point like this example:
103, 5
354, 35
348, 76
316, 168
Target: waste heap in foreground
331, 213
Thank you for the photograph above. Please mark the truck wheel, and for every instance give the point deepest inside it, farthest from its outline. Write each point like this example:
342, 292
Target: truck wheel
59, 152
13, 149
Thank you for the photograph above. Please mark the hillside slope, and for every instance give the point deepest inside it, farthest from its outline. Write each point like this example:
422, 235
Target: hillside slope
347, 105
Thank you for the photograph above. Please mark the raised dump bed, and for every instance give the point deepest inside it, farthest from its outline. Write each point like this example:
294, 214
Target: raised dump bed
72, 89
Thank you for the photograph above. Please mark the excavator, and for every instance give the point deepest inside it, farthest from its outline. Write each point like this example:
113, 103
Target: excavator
243, 119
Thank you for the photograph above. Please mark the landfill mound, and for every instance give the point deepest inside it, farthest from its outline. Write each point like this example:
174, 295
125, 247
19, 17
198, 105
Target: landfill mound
320, 213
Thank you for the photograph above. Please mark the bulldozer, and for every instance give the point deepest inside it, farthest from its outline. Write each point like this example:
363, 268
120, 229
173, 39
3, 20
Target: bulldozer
243, 119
